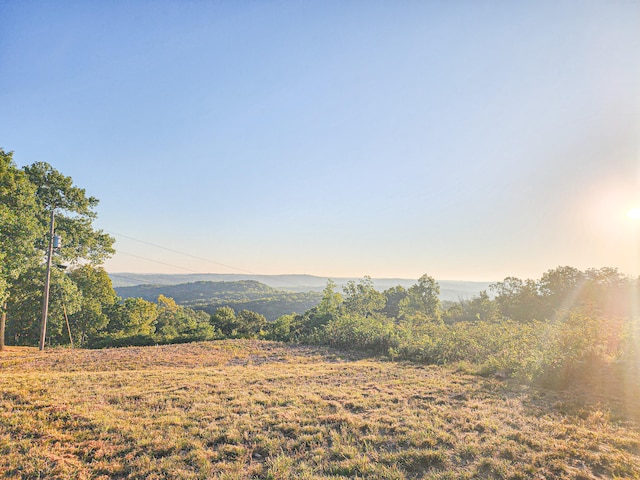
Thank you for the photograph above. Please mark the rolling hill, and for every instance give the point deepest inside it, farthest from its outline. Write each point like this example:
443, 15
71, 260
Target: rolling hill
449, 289
239, 295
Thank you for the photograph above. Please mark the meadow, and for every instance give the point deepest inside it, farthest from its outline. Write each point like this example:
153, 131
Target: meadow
240, 409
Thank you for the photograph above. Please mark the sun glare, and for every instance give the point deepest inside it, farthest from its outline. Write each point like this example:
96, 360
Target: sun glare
634, 213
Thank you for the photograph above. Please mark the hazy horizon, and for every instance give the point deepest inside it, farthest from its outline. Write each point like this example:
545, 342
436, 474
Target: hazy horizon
469, 141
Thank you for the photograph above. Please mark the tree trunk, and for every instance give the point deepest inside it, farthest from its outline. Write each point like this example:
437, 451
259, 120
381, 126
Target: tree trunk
3, 322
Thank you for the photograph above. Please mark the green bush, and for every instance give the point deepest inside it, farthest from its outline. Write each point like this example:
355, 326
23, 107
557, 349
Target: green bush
373, 334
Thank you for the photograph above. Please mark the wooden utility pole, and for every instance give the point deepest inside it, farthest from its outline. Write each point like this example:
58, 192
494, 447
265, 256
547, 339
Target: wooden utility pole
3, 322
45, 300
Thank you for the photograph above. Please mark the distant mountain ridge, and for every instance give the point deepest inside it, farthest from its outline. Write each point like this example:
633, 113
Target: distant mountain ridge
201, 291
239, 295
449, 289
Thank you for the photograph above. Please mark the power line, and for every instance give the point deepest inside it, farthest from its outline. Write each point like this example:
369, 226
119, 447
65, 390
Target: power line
133, 279
181, 253
274, 278
158, 261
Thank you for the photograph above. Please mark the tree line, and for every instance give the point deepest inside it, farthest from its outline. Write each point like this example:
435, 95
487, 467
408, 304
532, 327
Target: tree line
561, 328
83, 305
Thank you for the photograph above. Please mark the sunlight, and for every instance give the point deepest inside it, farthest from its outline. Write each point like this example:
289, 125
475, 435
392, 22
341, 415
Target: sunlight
634, 214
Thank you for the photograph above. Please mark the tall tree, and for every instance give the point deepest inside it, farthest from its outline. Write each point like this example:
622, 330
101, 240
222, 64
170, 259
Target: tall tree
50, 192
362, 298
176, 322
24, 308
423, 299
18, 229
98, 296
393, 298
225, 320
518, 299
134, 316
331, 300
74, 215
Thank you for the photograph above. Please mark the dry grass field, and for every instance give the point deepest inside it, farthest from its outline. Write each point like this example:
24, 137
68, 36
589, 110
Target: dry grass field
248, 409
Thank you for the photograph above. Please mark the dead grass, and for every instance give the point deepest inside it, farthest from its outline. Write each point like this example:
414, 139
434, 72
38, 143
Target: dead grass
244, 409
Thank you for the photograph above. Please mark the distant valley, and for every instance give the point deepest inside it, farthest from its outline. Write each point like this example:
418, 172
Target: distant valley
239, 295
269, 295
449, 289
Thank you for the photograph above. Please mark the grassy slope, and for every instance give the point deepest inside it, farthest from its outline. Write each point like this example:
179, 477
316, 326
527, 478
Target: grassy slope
241, 409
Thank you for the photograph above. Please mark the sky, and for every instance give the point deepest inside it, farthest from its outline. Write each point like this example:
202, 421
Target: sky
466, 140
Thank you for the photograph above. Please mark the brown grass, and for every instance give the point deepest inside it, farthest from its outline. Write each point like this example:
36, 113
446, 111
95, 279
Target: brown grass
245, 409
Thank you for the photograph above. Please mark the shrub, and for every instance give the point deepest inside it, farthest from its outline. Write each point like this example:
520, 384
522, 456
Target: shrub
374, 333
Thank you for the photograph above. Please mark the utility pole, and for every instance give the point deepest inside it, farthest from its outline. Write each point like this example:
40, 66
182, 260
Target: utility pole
3, 322
45, 300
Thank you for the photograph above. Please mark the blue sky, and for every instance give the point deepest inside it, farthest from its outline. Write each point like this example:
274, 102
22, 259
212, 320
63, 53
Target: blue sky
466, 140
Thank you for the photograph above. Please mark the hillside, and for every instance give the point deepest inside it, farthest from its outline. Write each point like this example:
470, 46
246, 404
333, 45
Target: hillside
239, 295
201, 292
449, 289
244, 409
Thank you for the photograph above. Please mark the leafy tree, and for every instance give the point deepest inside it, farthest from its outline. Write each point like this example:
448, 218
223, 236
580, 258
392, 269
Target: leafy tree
245, 324
24, 307
225, 320
250, 324
175, 322
610, 291
29, 197
560, 288
75, 213
134, 316
362, 298
423, 299
284, 328
18, 228
477, 308
483, 308
331, 300
98, 296
517, 299
393, 298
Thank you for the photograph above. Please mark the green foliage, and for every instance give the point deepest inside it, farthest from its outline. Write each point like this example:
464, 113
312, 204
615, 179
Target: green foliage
250, 324
564, 288
225, 320
282, 330
176, 323
25, 307
240, 295
517, 299
422, 299
97, 298
138, 322
200, 293
246, 324
478, 333
331, 301
75, 213
362, 298
18, 225
393, 299
574, 346
479, 307
27, 199
134, 316
375, 333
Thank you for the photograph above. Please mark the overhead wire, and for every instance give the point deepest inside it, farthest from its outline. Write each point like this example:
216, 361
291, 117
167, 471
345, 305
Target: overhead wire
181, 253
157, 261
274, 278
